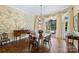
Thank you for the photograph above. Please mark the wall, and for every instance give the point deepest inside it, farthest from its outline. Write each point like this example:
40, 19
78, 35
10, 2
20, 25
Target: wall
71, 13
13, 19
59, 26
71, 20
76, 10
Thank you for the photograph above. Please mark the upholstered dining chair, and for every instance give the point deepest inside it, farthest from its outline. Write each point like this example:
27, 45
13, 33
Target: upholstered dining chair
47, 40
4, 38
33, 43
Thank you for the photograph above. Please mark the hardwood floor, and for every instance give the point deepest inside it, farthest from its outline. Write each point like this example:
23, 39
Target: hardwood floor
58, 46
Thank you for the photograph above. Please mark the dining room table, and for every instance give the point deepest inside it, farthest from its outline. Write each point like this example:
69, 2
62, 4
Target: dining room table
74, 37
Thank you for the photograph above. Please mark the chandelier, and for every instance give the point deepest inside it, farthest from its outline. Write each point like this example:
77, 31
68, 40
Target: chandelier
40, 20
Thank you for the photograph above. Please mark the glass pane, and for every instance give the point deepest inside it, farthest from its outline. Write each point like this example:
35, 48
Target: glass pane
66, 25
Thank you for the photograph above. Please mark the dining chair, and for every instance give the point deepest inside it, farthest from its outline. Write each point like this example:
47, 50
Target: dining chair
47, 40
4, 38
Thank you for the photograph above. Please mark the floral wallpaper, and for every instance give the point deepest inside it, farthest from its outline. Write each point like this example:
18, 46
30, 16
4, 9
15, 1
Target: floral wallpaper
11, 19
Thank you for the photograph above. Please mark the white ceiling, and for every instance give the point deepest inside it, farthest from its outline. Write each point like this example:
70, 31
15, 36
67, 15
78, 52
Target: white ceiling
36, 9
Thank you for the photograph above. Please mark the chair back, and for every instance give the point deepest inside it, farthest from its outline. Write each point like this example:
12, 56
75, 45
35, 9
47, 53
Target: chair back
4, 36
47, 38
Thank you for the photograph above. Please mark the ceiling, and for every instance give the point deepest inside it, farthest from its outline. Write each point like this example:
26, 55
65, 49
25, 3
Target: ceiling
36, 9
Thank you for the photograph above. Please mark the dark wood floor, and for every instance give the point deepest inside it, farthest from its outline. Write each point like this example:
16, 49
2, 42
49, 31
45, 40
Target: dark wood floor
58, 46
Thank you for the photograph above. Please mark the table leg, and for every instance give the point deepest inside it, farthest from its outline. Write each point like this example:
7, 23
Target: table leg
78, 46
1, 44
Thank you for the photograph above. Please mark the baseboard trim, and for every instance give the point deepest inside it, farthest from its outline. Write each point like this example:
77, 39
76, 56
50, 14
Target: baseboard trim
12, 40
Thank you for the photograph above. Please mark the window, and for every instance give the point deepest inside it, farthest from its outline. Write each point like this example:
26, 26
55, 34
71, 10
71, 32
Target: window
51, 25
66, 26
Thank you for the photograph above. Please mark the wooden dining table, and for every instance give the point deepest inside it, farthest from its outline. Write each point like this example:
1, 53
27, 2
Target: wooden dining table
74, 37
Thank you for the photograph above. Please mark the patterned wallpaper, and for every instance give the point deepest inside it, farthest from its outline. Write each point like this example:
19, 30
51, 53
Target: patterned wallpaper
11, 18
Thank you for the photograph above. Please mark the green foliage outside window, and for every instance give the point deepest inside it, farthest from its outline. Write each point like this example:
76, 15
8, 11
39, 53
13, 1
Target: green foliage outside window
51, 25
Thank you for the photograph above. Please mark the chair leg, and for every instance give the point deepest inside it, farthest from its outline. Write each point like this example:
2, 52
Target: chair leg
6, 43
30, 48
9, 42
49, 43
44, 43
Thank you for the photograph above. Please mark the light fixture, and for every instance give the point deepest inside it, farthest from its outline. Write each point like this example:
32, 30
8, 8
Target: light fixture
40, 23
41, 10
